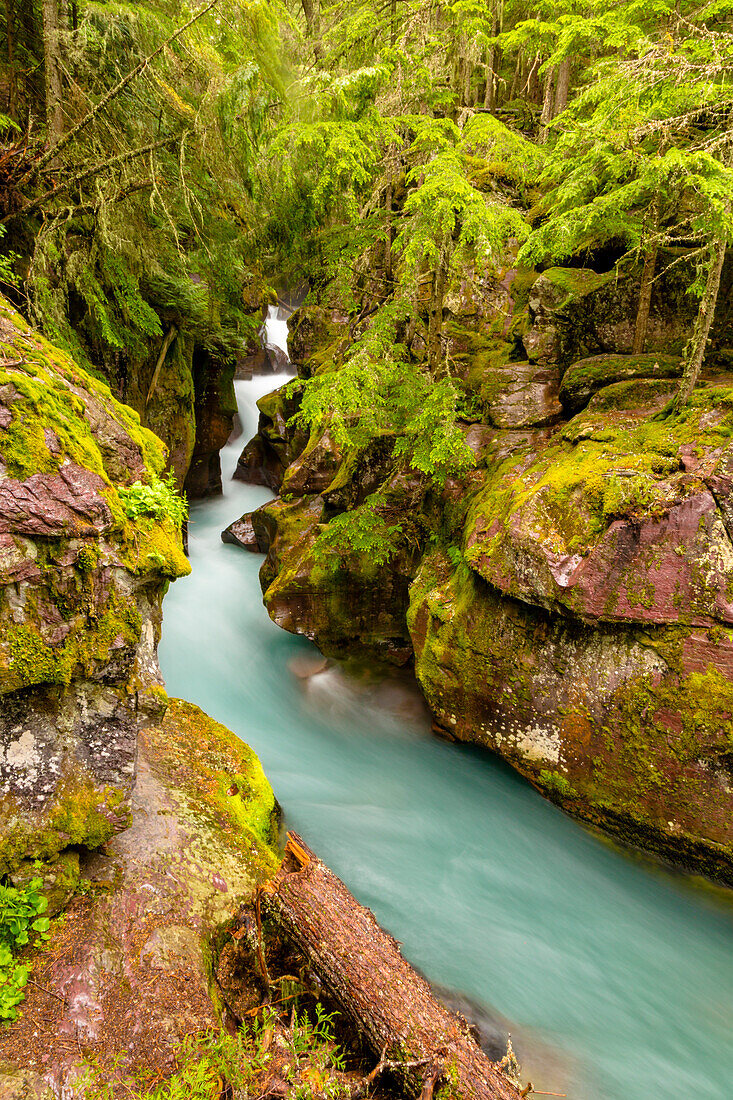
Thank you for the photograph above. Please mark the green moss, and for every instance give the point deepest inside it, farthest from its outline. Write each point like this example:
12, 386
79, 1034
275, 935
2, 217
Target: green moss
522, 283
574, 281
29, 659
87, 558
222, 776
82, 814
601, 467
556, 785
587, 376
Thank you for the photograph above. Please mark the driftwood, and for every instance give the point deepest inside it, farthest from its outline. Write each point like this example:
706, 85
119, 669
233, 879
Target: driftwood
391, 1006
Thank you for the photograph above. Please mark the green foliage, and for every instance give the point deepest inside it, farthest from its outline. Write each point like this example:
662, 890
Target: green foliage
365, 531
7, 274
242, 1061
20, 916
159, 500
556, 784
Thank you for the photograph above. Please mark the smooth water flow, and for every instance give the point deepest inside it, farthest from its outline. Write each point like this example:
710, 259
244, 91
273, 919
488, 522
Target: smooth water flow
616, 978
276, 327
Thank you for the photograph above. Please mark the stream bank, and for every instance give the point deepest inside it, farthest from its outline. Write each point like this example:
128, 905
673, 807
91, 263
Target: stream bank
492, 890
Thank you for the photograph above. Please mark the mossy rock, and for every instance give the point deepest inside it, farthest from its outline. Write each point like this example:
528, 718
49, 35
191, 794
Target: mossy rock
81, 582
584, 378
221, 778
628, 728
602, 520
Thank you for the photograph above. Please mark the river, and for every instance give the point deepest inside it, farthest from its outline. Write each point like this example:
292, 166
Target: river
615, 976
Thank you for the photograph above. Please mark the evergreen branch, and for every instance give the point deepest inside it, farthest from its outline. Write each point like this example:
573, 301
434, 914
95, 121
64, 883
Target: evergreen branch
113, 92
680, 121
121, 158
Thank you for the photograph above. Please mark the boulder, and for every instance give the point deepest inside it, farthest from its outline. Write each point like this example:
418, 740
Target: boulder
521, 395
346, 604
131, 972
627, 728
277, 442
584, 378
242, 533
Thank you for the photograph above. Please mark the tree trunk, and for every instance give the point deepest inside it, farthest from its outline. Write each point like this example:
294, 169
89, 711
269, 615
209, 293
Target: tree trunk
9, 16
546, 116
698, 343
167, 341
533, 80
704, 320
391, 1006
312, 13
491, 65
52, 63
388, 230
435, 326
517, 78
647, 276
563, 86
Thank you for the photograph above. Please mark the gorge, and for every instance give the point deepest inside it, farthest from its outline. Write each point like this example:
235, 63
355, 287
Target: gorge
366, 549
492, 890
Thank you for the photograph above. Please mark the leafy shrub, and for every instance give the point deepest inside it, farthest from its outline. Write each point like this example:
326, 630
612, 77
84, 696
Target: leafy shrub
159, 500
20, 914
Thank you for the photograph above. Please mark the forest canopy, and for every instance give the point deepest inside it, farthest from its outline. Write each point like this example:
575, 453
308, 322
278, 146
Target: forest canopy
167, 163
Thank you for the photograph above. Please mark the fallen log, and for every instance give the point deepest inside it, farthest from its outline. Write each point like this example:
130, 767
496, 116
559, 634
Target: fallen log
390, 1005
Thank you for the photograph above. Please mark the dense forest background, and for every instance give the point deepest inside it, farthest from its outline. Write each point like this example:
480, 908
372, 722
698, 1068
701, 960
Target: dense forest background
165, 165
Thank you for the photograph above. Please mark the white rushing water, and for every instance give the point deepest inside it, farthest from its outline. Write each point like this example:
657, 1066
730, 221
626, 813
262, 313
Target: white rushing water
617, 977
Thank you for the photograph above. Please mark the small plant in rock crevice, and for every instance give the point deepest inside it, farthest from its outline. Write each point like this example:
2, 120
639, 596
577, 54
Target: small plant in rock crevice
159, 500
21, 914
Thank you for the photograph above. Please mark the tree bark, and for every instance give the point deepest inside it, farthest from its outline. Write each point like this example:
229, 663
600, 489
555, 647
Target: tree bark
312, 13
388, 230
704, 320
491, 66
391, 1006
52, 65
647, 276
533, 80
563, 86
517, 78
435, 324
167, 341
81, 177
113, 92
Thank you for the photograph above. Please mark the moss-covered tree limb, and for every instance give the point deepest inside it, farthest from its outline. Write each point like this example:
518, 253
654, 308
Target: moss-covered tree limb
107, 98
88, 173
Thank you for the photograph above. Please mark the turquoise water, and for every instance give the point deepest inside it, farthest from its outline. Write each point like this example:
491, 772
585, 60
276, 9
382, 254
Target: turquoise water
616, 978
